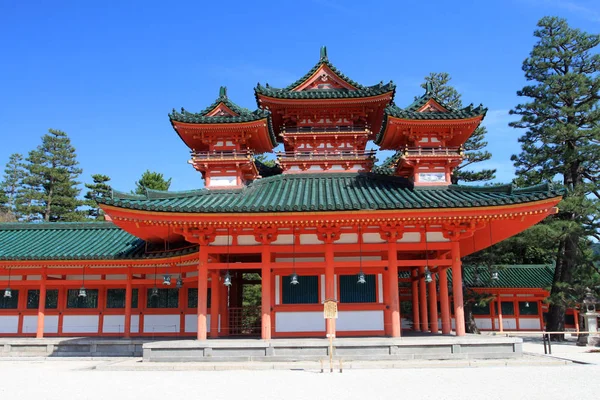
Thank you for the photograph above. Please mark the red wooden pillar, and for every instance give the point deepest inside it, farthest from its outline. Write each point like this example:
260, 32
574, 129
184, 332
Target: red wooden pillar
215, 289
266, 291
415, 300
423, 300
202, 291
41, 308
445, 301
224, 291
433, 311
329, 283
457, 290
128, 297
393, 286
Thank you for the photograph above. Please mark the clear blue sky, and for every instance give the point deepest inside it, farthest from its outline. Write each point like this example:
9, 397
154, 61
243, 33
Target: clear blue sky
108, 72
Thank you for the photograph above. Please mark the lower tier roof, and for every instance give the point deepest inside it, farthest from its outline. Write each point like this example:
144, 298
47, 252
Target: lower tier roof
76, 241
329, 192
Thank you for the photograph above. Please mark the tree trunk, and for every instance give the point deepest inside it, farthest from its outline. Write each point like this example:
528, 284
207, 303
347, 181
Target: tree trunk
470, 325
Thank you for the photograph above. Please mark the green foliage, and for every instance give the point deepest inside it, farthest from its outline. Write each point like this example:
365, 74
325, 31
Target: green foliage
50, 183
262, 158
475, 152
10, 187
151, 180
98, 189
561, 118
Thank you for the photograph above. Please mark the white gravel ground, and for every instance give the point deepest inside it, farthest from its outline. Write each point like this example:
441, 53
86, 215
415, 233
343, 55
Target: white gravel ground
77, 380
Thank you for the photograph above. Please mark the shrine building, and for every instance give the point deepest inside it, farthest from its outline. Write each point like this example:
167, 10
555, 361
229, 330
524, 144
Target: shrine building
258, 250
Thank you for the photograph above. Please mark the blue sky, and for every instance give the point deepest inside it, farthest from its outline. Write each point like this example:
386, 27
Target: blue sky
108, 73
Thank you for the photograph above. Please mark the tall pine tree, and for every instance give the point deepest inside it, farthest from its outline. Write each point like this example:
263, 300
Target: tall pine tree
475, 146
562, 122
151, 180
10, 186
50, 184
98, 189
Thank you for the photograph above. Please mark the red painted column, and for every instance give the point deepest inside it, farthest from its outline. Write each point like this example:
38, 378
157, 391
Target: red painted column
393, 286
266, 291
445, 302
128, 296
41, 308
433, 311
415, 300
202, 291
215, 288
329, 283
423, 300
457, 290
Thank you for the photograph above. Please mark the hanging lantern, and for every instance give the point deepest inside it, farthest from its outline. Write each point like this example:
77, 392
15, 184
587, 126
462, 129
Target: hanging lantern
167, 280
82, 292
294, 279
179, 283
154, 292
361, 278
527, 304
227, 280
8, 292
427, 275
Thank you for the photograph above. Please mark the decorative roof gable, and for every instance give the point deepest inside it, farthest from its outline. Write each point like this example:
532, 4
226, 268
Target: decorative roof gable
324, 81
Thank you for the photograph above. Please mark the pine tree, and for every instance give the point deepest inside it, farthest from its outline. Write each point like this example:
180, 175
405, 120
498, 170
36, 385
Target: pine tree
561, 142
11, 184
98, 189
50, 183
151, 180
475, 146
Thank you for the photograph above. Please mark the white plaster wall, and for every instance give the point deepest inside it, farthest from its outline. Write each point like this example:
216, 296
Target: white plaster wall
347, 238
222, 240
191, 323
305, 321
223, 181
322, 288
359, 320
436, 237
277, 289
310, 239
161, 323
115, 277
372, 238
410, 237
9, 324
529, 323
33, 277
80, 324
380, 287
113, 324
483, 323
50, 324
135, 323
283, 239
507, 323
246, 240
80, 277
364, 258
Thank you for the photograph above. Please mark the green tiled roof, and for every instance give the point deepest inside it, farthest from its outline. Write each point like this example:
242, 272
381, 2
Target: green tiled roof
463, 113
75, 241
329, 192
510, 276
361, 91
411, 112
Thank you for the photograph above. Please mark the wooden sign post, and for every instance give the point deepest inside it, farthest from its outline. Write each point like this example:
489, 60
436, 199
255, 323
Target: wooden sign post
330, 311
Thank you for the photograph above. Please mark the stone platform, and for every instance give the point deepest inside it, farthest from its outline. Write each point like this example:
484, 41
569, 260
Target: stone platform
435, 347
71, 347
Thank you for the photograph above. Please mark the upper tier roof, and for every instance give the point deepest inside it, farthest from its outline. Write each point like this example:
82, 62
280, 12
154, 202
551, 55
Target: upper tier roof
76, 241
510, 276
328, 192
350, 88
223, 111
427, 108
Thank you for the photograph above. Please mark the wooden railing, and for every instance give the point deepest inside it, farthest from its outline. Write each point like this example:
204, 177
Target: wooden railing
325, 155
221, 155
325, 129
432, 151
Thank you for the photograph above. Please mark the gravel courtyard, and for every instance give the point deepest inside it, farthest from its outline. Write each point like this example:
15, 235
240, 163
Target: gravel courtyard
60, 379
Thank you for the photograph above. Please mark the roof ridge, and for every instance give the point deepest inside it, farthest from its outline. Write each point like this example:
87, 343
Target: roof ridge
57, 225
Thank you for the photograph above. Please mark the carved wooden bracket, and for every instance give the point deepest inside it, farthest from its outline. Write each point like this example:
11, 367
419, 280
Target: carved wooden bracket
265, 234
197, 234
391, 231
